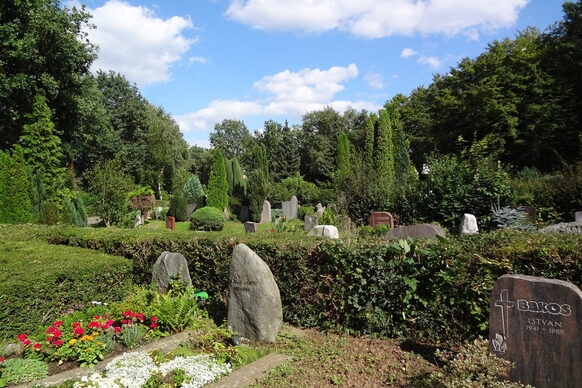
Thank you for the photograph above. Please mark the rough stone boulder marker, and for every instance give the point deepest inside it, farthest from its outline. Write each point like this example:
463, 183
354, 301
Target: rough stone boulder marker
536, 323
415, 231
168, 265
254, 303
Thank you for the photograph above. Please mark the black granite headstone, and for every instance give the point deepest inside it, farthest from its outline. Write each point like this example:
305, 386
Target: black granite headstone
535, 323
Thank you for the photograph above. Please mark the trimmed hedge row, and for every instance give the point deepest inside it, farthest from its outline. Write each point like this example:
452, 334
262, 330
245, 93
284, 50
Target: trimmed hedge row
436, 291
39, 280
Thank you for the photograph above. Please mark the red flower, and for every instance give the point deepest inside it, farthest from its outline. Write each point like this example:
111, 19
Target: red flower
96, 316
125, 321
58, 343
21, 337
2, 359
117, 329
76, 324
57, 333
154, 325
78, 331
94, 324
110, 322
105, 326
50, 329
37, 346
58, 323
49, 339
154, 319
27, 342
128, 313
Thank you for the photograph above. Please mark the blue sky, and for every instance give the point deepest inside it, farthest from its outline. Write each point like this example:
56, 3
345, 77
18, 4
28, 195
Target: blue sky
254, 60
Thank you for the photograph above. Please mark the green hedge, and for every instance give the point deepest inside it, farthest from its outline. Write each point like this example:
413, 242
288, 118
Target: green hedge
438, 291
207, 218
38, 280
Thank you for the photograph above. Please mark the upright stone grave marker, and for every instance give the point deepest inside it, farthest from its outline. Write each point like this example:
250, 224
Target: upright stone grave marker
254, 303
266, 213
379, 218
290, 208
415, 231
250, 227
530, 214
168, 265
170, 223
319, 209
536, 323
310, 222
578, 217
468, 224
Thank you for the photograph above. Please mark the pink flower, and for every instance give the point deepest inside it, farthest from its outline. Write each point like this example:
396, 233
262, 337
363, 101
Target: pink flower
49, 339
96, 316
94, 324
154, 319
154, 325
58, 323
78, 331
105, 326
117, 329
110, 322
57, 333
37, 346
58, 343
76, 324
21, 337
128, 313
50, 329
27, 342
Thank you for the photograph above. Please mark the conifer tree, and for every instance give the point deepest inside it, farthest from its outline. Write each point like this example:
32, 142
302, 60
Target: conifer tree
239, 183
288, 161
15, 205
229, 175
342, 157
41, 147
217, 185
193, 190
370, 139
257, 193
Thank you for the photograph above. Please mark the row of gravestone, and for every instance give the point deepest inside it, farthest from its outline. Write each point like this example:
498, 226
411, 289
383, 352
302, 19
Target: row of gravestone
533, 322
290, 210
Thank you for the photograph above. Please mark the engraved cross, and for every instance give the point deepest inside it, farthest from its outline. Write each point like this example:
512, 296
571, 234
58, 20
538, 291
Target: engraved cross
504, 304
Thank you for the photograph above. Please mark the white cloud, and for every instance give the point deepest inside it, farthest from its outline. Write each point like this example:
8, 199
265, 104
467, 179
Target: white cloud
287, 93
136, 43
432, 62
204, 119
375, 80
197, 60
407, 53
377, 18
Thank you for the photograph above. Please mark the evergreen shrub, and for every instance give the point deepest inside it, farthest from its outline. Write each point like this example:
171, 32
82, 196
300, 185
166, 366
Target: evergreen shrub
49, 214
207, 218
178, 208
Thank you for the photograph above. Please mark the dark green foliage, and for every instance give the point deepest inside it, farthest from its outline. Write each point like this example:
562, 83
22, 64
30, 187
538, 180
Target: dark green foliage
21, 370
178, 208
342, 157
109, 185
286, 159
217, 193
207, 218
328, 217
50, 213
81, 213
257, 193
306, 192
303, 211
15, 207
193, 190
37, 194
229, 175
69, 213
436, 291
229, 136
239, 183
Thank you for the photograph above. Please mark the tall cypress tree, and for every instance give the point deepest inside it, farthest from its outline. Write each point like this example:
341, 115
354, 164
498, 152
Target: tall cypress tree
343, 157
217, 185
41, 147
289, 160
15, 207
384, 154
370, 139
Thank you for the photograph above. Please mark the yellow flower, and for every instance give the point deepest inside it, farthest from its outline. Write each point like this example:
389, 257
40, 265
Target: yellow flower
84, 338
99, 343
72, 342
90, 338
88, 349
94, 333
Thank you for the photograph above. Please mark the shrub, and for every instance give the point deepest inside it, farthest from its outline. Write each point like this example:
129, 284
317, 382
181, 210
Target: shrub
303, 211
207, 218
15, 205
132, 336
473, 367
178, 208
128, 220
291, 226
81, 213
176, 312
193, 190
217, 193
69, 213
21, 370
49, 214
327, 218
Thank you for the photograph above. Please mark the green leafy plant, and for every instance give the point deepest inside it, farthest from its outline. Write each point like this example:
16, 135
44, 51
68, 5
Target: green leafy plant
207, 218
303, 211
473, 367
49, 214
508, 217
133, 335
21, 370
290, 226
176, 313
178, 208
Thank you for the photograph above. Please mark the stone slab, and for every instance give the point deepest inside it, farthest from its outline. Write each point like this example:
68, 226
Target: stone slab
250, 227
563, 227
468, 224
266, 213
381, 218
328, 231
251, 373
169, 264
536, 323
290, 208
415, 231
309, 222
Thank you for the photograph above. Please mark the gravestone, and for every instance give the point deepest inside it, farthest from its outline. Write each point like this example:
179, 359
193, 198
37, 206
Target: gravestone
381, 218
310, 222
190, 209
168, 265
415, 231
319, 209
266, 213
244, 213
138, 221
158, 212
578, 217
328, 231
536, 323
290, 208
250, 227
563, 227
226, 213
530, 214
468, 224
254, 303
170, 223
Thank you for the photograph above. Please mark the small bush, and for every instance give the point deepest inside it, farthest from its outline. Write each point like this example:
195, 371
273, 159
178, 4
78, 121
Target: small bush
327, 218
128, 220
291, 226
207, 218
132, 336
178, 208
20, 370
305, 211
49, 214
473, 367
